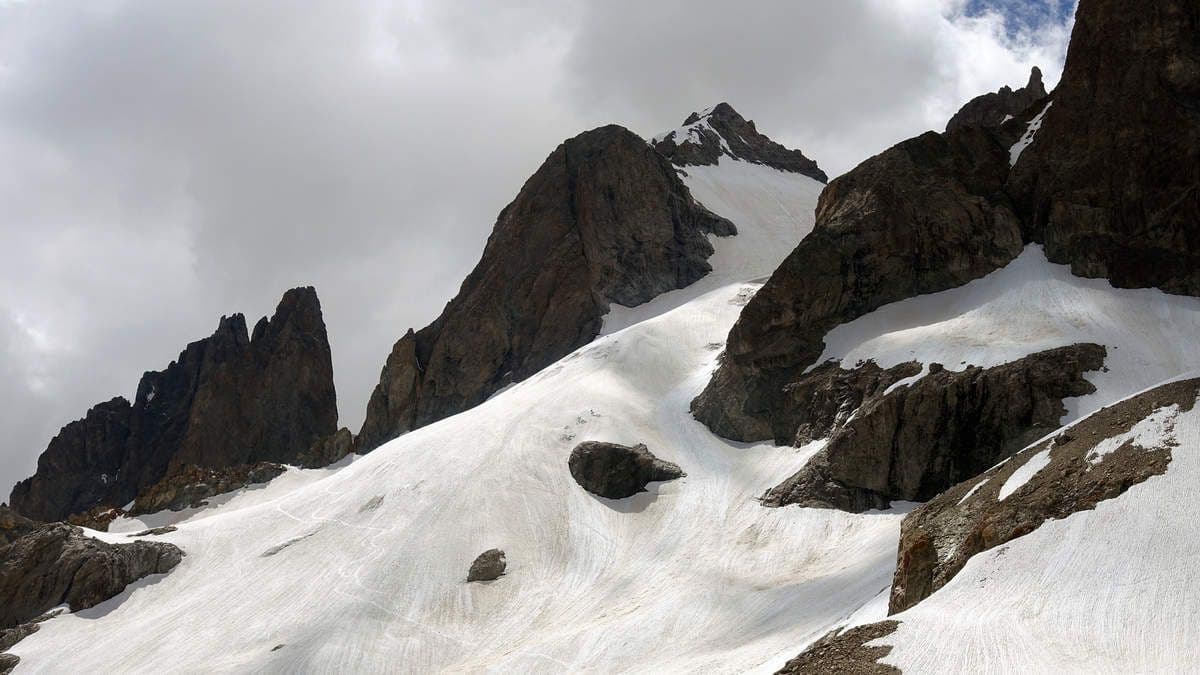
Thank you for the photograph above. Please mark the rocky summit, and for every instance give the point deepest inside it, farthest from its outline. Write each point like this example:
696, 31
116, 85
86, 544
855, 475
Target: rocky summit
996, 108
605, 220
234, 398
721, 132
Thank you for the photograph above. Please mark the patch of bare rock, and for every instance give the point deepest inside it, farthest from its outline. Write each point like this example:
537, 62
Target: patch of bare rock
845, 653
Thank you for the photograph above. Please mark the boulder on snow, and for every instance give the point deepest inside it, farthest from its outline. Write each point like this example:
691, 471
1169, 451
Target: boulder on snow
488, 566
846, 652
8, 662
618, 471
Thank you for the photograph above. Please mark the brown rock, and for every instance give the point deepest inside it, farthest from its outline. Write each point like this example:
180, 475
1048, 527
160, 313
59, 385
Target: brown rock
937, 539
723, 132
923, 438
192, 485
57, 564
230, 399
844, 653
488, 566
605, 219
327, 450
991, 110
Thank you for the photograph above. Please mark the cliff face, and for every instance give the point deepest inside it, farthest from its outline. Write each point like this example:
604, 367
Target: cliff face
229, 399
1112, 183
605, 219
1109, 183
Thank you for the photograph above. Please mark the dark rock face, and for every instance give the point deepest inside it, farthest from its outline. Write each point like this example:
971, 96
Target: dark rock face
57, 564
927, 215
327, 450
192, 485
605, 219
937, 539
488, 566
1111, 183
845, 653
617, 471
922, 438
230, 399
13, 526
990, 110
723, 132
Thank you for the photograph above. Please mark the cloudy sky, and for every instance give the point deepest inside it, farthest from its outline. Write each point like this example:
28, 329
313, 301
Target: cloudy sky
169, 162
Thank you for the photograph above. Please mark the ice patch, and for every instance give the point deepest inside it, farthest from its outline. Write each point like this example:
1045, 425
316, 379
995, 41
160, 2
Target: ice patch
1022, 475
1014, 153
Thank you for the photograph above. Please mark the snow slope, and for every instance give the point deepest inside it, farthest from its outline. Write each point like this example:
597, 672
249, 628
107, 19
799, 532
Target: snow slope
1029, 306
1110, 590
772, 209
362, 569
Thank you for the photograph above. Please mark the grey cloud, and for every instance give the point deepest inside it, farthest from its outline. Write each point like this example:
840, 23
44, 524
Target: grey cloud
169, 162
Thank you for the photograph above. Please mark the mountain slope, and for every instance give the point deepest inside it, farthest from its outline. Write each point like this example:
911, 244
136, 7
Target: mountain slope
363, 568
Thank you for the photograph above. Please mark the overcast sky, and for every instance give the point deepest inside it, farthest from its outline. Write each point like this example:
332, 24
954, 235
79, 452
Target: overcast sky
169, 162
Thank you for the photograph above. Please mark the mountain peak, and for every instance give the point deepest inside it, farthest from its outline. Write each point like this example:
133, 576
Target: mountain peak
719, 131
995, 108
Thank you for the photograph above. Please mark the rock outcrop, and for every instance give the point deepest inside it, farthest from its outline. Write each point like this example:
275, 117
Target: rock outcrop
1093, 460
844, 652
919, 439
721, 132
231, 399
488, 566
57, 564
618, 471
604, 220
1111, 183
327, 450
926, 215
995, 108
191, 486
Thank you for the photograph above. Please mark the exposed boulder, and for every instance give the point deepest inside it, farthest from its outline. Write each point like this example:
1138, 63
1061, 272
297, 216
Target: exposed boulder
618, 471
488, 566
605, 220
706, 137
927, 215
922, 438
8, 662
993, 109
155, 531
230, 399
1093, 460
1111, 182
190, 486
844, 652
327, 450
57, 564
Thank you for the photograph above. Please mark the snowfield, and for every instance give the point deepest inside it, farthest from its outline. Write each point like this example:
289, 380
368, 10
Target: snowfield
362, 567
